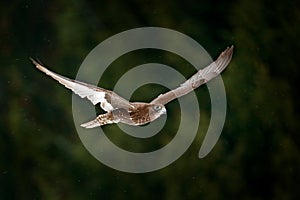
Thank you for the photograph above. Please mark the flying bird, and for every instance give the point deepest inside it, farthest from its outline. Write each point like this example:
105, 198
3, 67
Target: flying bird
120, 110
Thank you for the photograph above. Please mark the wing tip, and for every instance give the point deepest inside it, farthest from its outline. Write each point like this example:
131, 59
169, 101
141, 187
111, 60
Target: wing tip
227, 54
229, 50
34, 61
38, 64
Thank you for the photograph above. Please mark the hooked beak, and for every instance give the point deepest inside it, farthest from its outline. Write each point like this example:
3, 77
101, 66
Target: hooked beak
164, 111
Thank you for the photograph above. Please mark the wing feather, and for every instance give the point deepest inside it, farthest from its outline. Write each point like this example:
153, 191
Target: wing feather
199, 78
108, 100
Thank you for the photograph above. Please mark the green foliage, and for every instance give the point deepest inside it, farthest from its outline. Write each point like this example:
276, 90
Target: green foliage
257, 156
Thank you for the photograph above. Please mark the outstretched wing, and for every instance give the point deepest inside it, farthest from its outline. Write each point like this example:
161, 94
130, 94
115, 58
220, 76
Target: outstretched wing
108, 100
201, 77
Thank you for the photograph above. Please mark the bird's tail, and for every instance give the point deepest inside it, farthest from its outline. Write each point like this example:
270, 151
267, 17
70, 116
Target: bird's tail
102, 119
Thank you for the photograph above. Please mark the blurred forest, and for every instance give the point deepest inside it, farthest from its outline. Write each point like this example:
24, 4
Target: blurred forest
258, 154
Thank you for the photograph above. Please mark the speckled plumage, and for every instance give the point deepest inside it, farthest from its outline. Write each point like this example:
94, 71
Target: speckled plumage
120, 110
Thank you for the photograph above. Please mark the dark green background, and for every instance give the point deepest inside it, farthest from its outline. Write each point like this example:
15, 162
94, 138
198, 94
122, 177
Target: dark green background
257, 156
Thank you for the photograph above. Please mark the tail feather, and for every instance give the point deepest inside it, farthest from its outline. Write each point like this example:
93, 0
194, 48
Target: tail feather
102, 119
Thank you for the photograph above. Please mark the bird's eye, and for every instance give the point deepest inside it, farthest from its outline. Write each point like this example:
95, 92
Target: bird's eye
157, 108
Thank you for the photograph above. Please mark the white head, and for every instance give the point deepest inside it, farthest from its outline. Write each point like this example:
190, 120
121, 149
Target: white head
156, 110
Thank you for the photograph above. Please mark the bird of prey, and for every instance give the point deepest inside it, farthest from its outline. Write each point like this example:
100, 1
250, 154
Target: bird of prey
119, 109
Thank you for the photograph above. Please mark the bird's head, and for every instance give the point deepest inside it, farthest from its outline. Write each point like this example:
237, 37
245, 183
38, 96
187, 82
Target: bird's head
156, 110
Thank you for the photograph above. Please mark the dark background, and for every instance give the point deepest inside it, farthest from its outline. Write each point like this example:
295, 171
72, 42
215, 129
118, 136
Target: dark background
257, 156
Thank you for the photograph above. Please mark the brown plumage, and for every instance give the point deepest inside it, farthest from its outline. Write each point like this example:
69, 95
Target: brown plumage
136, 113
